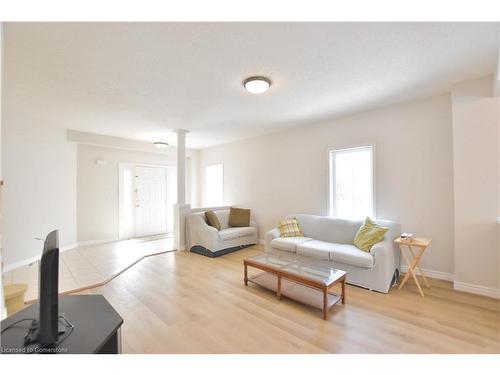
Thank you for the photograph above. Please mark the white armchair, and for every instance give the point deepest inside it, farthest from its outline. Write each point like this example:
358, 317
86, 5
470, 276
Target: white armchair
207, 240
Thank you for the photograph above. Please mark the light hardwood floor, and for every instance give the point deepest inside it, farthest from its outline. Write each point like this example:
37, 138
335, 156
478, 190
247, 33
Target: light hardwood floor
186, 303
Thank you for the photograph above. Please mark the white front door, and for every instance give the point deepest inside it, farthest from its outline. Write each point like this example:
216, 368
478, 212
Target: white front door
150, 201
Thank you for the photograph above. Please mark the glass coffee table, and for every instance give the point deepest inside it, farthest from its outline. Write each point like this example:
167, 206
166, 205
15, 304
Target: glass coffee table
297, 279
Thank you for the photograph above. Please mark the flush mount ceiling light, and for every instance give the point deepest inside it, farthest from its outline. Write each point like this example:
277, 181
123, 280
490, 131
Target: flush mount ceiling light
161, 145
257, 84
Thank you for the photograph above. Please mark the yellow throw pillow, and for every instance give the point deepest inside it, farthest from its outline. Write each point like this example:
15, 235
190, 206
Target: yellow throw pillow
369, 234
290, 228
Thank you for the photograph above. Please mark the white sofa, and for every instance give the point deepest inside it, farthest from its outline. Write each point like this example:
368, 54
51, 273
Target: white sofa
330, 241
206, 240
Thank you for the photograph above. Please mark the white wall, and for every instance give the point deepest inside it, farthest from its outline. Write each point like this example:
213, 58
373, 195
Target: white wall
477, 186
287, 172
97, 188
3, 310
496, 77
110, 142
39, 169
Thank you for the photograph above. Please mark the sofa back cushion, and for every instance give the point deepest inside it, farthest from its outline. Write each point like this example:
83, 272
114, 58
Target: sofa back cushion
394, 229
329, 229
223, 216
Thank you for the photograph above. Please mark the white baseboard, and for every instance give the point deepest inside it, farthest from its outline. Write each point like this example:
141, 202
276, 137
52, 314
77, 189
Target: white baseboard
68, 247
96, 242
477, 289
12, 266
460, 286
432, 273
25, 262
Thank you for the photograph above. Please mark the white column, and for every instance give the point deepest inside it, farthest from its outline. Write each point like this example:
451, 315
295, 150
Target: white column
181, 165
181, 209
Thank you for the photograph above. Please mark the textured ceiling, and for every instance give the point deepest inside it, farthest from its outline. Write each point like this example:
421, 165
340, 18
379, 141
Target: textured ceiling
141, 80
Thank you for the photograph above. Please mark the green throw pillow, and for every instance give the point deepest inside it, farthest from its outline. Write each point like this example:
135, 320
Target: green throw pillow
369, 234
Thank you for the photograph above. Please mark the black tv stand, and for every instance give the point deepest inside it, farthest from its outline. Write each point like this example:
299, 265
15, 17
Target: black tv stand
32, 336
96, 328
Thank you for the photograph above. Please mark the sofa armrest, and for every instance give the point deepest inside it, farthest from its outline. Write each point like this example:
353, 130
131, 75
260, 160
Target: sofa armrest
271, 235
386, 252
200, 233
380, 248
253, 224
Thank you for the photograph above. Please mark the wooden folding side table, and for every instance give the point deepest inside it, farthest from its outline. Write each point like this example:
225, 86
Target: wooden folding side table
421, 244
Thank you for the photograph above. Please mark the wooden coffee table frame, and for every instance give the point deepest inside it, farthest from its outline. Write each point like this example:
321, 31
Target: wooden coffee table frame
280, 273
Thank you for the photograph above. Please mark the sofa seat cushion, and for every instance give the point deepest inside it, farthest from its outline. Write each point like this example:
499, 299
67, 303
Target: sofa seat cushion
315, 249
236, 232
223, 216
288, 243
350, 254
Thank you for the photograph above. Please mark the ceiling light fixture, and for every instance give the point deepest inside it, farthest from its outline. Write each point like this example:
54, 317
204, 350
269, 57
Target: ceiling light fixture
257, 84
161, 145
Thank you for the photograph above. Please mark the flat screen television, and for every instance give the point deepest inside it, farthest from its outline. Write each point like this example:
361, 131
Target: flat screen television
48, 327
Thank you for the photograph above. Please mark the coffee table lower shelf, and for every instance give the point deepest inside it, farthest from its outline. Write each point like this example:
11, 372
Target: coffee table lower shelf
298, 292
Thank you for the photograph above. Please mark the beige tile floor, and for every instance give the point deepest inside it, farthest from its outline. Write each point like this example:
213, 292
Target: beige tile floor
88, 265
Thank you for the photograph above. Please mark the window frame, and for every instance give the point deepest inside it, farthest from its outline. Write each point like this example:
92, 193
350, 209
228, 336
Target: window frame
205, 195
331, 209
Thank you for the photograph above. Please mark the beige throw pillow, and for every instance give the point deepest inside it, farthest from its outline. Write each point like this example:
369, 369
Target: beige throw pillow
212, 219
239, 217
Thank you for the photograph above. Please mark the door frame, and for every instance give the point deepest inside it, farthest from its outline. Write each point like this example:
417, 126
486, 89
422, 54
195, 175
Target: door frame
127, 165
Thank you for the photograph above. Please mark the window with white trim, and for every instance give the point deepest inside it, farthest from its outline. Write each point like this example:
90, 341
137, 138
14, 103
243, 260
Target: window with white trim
351, 183
214, 185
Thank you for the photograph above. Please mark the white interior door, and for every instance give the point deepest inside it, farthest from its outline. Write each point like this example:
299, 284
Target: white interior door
150, 201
